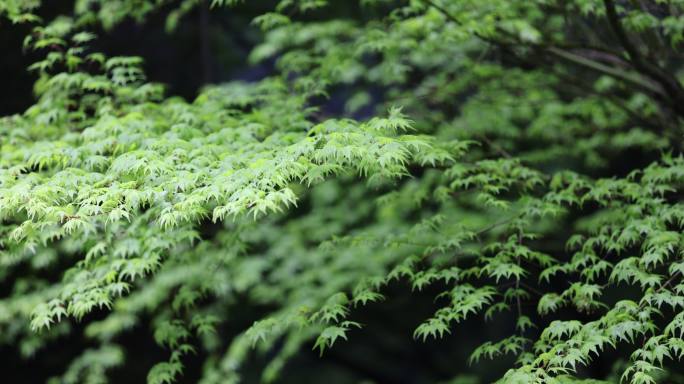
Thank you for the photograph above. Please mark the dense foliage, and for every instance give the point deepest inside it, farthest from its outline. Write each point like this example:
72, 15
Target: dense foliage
519, 161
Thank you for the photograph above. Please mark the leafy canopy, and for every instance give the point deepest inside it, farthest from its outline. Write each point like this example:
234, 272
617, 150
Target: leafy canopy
523, 158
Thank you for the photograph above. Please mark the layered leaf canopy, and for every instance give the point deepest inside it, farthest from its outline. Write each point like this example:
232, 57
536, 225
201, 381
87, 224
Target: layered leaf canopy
522, 159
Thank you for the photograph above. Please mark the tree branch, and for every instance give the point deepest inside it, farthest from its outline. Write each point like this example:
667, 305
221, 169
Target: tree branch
670, 85
633, 79
608, 70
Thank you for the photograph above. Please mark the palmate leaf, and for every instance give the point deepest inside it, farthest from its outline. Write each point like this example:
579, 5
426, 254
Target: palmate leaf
434, 327
328, 337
